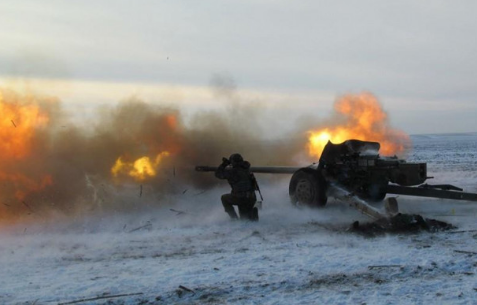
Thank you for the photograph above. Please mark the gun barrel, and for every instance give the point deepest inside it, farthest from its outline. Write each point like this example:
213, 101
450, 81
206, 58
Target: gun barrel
255, 169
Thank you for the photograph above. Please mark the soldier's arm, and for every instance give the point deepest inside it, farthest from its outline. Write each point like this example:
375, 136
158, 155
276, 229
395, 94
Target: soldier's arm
221, 173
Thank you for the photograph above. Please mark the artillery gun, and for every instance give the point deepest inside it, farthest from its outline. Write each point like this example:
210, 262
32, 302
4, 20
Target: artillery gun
353, 171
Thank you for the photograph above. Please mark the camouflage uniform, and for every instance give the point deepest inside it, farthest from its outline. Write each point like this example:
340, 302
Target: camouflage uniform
243, 189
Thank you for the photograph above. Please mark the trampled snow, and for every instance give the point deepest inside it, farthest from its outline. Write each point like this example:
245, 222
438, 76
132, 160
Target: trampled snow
292, 256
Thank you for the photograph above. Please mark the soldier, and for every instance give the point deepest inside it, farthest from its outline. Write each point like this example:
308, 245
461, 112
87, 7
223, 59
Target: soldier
243, 188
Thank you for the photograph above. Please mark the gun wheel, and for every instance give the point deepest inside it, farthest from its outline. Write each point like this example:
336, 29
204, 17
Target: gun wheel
308, 188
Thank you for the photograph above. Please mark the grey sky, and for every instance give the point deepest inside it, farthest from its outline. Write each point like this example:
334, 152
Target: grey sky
414, 55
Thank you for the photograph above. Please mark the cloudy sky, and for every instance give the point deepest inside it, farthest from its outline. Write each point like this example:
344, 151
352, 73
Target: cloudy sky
296, 57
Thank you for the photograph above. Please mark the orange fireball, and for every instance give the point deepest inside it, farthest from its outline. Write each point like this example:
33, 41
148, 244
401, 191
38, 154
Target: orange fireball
20, 120
360, 117
18, 123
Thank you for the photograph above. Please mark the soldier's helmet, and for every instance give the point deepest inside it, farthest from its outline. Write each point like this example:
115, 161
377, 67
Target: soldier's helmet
235, 159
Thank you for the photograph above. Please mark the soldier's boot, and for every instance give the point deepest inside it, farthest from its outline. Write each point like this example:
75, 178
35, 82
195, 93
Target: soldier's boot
248, 213
254, 216
244, 213
229, 209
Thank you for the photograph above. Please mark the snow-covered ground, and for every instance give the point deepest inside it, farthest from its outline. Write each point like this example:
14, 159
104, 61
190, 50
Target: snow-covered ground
290, 257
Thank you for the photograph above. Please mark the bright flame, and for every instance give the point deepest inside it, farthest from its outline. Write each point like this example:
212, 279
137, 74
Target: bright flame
140, 169
18, 124
364, 119
20, 120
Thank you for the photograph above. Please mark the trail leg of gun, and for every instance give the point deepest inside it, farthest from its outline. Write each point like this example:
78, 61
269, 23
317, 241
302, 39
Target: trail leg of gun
391, 206
359, 204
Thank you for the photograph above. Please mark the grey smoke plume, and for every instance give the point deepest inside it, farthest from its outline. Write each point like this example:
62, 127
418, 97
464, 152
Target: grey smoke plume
69, 168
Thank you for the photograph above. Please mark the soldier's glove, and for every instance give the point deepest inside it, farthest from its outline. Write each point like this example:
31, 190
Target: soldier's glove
225, 161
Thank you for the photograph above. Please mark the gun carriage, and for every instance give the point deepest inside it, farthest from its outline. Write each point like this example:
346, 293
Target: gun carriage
355, 172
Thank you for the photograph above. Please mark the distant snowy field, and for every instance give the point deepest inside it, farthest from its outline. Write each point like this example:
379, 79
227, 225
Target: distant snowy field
290, 257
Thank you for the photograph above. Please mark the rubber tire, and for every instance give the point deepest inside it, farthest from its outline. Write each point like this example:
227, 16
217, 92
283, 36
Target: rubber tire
308, 187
